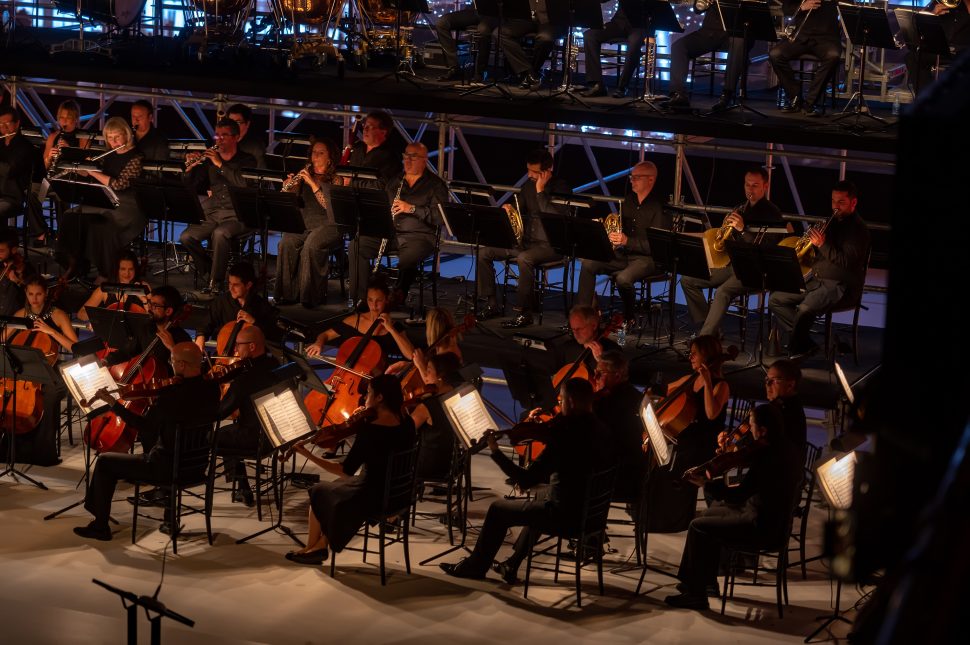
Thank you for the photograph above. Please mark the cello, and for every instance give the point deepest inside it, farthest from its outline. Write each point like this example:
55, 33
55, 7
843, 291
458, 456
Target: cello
23, 408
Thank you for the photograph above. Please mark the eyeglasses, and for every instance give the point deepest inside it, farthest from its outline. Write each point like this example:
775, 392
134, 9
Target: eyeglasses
643, 176
410, 155
157, 305
772, 381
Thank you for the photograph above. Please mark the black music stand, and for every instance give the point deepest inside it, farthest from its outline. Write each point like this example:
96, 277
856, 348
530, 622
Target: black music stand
924, 34
405, 68
569, 15
265, 211
478, 226
866, 26
501, 10
749, 20
529, 384
575, 237
151, 605
84, 193
168, 201
651, 16
677, 254
122, 330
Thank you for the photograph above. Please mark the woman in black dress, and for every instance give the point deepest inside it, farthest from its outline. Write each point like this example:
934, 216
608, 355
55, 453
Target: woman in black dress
125, 272
437, 437
339, 508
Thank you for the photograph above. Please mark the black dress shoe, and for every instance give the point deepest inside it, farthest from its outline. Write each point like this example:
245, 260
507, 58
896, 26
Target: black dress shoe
488, 313
795, 105
518, 322
687, 601
802, 351
713, 591
620, 92
529, 82
596, 89
814, 111
461, 570
452, 74
724, 102
244, 496
93, 532
505, 570
308, 557
678, 101
477, 81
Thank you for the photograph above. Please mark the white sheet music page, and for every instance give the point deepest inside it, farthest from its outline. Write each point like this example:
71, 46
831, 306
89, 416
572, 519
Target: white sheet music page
84, 380
282, 416
836, 477
468, 413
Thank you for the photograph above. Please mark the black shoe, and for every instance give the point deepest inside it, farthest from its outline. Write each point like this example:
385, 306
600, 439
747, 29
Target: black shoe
520, 321
488, 313
712, 591
529, 82
596, 89
687, 601
678, 101
245, 496
795, 105
308, 557
153, 497
802, 351
620, 92
452, 74
724, 102
461, 569
165, 527
505, 570
93, 532
814, 111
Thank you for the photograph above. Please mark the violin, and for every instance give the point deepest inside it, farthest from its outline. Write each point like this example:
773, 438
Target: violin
141, 390
411, 376
532, 430
13, 268
329, 436
724, 462
417, 396
222, 373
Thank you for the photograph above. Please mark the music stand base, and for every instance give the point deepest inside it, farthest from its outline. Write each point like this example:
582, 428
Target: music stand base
13, 472
277, 526
741, 106
568, 92
648, 567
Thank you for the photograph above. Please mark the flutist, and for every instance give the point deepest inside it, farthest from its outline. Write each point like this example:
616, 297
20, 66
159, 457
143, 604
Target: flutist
96, 235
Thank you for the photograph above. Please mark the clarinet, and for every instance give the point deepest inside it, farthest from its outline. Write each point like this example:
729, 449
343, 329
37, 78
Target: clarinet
383, 246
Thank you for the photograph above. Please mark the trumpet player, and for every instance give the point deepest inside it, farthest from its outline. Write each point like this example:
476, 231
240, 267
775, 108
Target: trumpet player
814, 30
212, 173
641, 209
92, 235
414, 196
756, 210
534, 248
838, 272
303, 259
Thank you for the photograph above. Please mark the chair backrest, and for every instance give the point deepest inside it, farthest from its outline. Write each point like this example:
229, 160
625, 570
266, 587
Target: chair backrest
193, 446
739, 412
399, 483
596, 503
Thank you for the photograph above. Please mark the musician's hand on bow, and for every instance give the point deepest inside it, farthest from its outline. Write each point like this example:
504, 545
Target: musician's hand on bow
533, 414
420, 361
816, 237
313, 349
165, 336
734, 219
103, 396
595, 348
245, 316
618, 239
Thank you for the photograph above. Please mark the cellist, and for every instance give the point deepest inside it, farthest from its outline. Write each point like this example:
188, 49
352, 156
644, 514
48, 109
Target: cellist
47, 318
241, 303
126, 272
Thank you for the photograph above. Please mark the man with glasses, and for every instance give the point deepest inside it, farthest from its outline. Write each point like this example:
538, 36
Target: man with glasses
191, 400
642, 209
250, 142
414, 195
375, 150
781, 386
240, 303
584, 324
221, 226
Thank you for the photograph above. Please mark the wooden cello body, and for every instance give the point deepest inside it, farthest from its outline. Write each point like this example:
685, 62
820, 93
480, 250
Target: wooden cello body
23, 408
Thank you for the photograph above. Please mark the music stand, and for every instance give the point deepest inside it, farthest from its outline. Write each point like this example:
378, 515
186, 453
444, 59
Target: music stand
924, 33
575, 237
151, 604
749, 20
84, 193
529, 384
265, 211
122, 330
479, 226
651, 16
168, 201
677, 254
366, 211
500, 10
569, 15
865, 26
405, 68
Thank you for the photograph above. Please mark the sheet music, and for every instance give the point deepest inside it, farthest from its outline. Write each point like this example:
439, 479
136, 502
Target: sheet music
282, 416
468, 414
658, 441
836, 477
83, 381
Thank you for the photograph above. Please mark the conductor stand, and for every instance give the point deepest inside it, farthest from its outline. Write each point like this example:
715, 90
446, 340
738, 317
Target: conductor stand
866, 26
405, 66
749, 20
168, 201
151, 605
650, 16
500, 10
19, 363
478, 226
569, 15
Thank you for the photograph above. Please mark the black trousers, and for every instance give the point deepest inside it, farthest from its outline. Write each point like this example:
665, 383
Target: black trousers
303, 264
546, 36
526, 260
721, 525
593, 40
701, 41
220, 233
782, 53
110, 469
535, 515
625, 271
410, 250
465, 19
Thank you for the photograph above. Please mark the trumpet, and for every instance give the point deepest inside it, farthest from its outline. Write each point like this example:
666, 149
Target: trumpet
294, 181
192, 164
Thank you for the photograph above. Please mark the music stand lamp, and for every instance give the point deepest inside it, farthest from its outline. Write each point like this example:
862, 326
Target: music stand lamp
651, 16
865, 26
570, 15
501, 10
749, 20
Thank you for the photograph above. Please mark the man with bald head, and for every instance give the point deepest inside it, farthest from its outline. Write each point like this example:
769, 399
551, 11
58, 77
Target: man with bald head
192, 400
414, 196
241, 439
642, 209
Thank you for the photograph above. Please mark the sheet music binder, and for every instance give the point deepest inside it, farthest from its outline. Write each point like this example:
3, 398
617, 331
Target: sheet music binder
660, 449
83, 378
467, 413
835, 478
282, 415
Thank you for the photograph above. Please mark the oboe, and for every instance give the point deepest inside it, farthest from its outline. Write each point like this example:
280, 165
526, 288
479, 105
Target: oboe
189, 166
383, 246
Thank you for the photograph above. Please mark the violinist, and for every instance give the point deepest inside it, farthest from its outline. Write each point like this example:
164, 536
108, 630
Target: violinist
240, 303
430, 420
339, 508
751, 515
95, 235
587, 333
781, 386
442, 338
303, 259
579, 444
243, 437
392, 340
47, 318
617, 404
13, 271
126, 272
190, 400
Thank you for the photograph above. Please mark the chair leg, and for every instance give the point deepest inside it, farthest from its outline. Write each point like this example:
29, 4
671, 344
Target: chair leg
333, 561
175, 501
599, 566
580, 554
407, 549
134, 515
555, 574
259, 498
382, 535
528, 571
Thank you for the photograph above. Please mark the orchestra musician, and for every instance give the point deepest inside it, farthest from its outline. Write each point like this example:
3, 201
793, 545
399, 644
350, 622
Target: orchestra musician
376, 150
242, 302
47, 318
617, 404
956, 27
781, 388
439, 335
632, 262
250, 141
339, 508
126, 272
87, 235
619, 26
164, 305
18, 158
149, 140
431, 421
66, 135
817, 33
711, 36
757, 210
579, 444
587, 333
414, 195
464, 19
393, 341
528, 71
752, 515
223, 168
838, 272
14, 270
535, 197
303, 259
242, 438
191, 400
